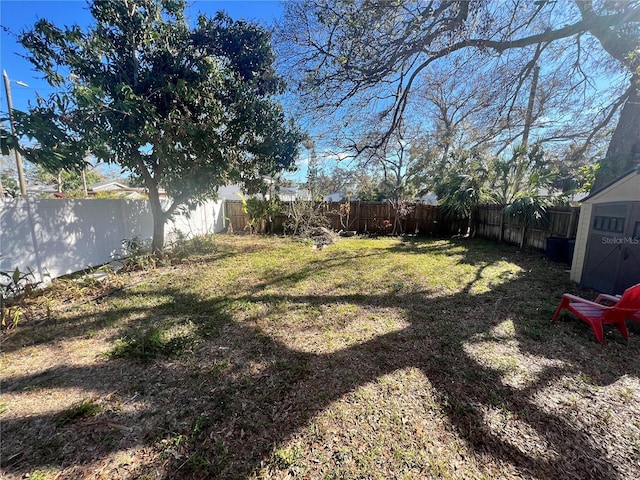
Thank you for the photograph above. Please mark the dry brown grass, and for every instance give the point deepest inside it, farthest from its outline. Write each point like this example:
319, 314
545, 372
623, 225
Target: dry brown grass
265, 358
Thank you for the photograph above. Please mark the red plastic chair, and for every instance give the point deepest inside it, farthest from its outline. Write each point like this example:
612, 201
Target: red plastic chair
612, 300
597, 314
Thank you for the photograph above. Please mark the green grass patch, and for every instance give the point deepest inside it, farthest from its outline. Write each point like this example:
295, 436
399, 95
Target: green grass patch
148, 343
85, 409
261, 358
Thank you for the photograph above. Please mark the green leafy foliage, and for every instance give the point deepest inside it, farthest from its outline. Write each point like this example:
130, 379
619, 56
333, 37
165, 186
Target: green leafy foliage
522, 174
66, 180
461, 184
185, 109
531, 210
143, 345
528, 179
139, 255
14, 287
9, 184
260, 212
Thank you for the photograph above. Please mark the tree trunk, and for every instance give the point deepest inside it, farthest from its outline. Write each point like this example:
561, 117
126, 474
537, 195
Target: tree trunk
623, 152
159, 217
157, 244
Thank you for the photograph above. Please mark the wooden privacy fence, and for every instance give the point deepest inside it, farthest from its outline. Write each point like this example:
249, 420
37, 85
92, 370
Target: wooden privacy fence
489, 221
363, 217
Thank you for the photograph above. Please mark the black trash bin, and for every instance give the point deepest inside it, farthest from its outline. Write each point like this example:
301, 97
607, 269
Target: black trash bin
571, 246
557, 249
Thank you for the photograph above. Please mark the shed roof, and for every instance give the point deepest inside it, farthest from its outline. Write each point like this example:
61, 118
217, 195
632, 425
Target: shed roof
611, 186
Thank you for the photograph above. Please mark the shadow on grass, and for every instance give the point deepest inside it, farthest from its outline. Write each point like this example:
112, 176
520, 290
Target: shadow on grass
247, 392
44, 331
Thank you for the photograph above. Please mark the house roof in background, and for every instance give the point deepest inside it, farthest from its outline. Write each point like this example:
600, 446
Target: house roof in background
41, 188
108, 186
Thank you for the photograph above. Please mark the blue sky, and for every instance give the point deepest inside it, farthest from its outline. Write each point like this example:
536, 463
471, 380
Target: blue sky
18, 15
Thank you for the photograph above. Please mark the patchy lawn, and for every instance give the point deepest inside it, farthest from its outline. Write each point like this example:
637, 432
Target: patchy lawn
372, 358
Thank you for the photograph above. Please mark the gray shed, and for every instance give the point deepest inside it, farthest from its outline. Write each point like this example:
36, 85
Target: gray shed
607, 250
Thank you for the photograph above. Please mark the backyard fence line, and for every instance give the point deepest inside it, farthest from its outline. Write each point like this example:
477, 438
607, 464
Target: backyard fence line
57, 237
489, 221
362, 217
52, 238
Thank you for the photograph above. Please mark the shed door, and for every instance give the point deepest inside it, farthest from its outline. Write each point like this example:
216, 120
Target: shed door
629, 270
605, 246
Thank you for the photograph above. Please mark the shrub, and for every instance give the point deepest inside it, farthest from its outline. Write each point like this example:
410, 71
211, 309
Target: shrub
14, 287
304, 216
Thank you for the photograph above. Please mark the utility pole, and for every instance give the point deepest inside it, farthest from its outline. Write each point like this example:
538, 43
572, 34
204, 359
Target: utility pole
7, 88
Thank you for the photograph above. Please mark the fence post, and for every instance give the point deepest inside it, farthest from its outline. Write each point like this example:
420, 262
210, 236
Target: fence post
571, 222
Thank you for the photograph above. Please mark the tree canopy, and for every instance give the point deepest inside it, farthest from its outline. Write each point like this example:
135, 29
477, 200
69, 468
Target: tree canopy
187, 109
566, 73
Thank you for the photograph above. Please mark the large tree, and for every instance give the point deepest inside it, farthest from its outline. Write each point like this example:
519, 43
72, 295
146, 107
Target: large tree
365, 60
187, 109
399, 166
